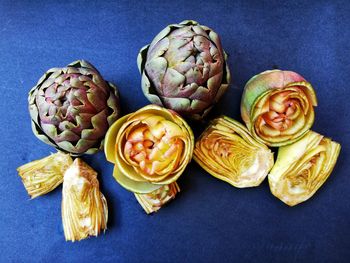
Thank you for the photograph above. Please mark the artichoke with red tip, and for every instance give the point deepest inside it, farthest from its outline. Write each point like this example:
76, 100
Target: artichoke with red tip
72, 108
184, 69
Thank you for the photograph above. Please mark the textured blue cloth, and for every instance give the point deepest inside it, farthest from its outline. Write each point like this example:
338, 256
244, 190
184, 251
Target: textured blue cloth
209, 221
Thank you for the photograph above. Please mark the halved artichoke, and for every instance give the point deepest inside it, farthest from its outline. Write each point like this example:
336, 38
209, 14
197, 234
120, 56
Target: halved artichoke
42, 176
84, 208
277, 107
153, 201
150, 148
227, 151
302, 167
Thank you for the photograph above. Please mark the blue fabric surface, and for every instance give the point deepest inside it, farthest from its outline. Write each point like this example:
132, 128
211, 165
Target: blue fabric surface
209, 221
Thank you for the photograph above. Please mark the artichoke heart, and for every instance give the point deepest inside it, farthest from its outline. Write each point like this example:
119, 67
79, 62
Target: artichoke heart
150, 148
84, 208
227, 151
153, 201
302, 167
42, 176
278, 107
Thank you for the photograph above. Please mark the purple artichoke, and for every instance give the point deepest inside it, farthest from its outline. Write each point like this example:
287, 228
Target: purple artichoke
184, 69
72, 108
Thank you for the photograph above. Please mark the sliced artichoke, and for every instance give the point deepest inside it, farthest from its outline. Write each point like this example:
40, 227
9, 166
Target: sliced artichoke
84, 208
153, 201
227, 151
150, 148
302, 167
42, 176
278, 107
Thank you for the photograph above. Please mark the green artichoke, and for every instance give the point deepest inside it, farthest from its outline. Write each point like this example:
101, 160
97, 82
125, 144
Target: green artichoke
72, 108
184, 69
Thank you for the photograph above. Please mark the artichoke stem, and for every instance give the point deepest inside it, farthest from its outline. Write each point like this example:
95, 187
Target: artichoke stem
153, 201
84, 208
42, 176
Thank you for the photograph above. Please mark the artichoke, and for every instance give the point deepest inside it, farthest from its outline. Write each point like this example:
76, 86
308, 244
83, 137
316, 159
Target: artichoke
277, 107
153, 201
84, 208
71, 108
228, 152
302, 167
150, 148
184, 69
42, 176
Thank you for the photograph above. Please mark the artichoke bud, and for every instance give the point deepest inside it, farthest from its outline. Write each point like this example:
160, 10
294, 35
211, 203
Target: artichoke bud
153, 201
71, 108
150, 148
228, 152
184, 69
302, 167
84, 208
42, 176
277, 107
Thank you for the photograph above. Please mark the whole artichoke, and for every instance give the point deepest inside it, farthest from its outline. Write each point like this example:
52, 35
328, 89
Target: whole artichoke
72, 108
184, 69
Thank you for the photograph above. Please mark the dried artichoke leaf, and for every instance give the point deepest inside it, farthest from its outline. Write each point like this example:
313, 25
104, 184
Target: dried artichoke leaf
42, 176
302, 167
84, 208
153, 201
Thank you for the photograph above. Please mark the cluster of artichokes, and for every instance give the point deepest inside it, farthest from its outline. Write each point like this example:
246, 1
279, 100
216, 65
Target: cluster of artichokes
277, 108
71, 109
184, 73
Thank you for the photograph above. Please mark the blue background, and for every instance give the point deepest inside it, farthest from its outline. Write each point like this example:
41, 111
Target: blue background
209, 221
